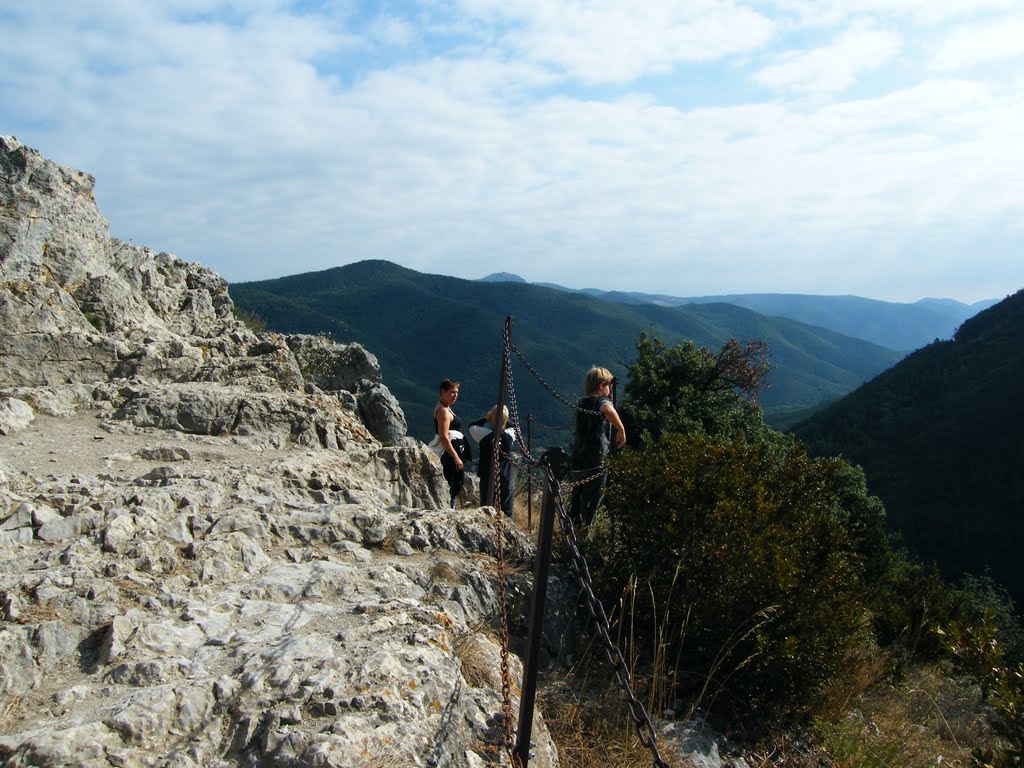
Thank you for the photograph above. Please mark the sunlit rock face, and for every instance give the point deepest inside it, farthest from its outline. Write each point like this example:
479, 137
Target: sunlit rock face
217, 547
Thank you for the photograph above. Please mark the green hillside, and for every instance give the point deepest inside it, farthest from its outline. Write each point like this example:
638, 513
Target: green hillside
427, 327
941, 439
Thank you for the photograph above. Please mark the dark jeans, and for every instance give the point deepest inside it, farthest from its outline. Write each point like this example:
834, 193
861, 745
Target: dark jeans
455, 477
506, 490
586, 497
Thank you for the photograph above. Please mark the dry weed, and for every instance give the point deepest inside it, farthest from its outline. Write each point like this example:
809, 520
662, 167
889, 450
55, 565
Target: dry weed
443, 572
592, 729
471, 650
926, 720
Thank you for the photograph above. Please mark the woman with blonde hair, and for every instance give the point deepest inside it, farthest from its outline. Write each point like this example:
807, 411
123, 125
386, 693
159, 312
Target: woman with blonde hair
595, 416
496, 424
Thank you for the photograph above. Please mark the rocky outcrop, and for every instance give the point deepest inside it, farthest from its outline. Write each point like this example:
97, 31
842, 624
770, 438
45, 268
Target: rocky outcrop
350, 368
78, 305
217, 548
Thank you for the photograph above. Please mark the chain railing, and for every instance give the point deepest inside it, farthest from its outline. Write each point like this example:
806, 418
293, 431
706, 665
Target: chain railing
551, 390
578, 564
518, 754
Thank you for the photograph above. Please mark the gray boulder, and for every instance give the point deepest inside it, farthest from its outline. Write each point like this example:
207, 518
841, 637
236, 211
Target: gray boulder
338, 367
14, 415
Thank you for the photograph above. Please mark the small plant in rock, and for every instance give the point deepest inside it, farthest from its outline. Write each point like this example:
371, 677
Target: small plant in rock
250, 320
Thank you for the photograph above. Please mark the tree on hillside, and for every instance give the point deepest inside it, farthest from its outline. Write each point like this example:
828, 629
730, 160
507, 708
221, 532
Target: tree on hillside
744, 552
769, 559
687, 389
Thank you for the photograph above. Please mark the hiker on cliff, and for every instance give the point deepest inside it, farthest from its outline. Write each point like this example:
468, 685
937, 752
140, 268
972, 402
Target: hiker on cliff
484, 431
449, 441
595, 418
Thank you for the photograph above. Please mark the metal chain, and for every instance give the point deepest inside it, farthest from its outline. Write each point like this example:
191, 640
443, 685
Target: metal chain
547, 386
641, 720
571, 484
513, 404
559, 428
565, 485
508, 737
578, 563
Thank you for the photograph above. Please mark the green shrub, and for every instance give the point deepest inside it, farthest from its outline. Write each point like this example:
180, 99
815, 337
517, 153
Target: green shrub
976, 647
688, 389
766, 582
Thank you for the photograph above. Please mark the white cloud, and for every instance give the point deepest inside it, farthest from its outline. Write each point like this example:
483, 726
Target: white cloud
922, 13
970, 46
268, 143
834, 67
613, 42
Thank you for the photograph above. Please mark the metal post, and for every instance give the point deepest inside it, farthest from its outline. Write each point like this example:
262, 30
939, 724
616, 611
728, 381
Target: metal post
529, 477
495, 499
552, 458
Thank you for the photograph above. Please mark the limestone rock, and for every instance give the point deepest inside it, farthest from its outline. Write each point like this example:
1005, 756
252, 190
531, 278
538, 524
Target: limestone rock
15, 415
337, 367
214, 553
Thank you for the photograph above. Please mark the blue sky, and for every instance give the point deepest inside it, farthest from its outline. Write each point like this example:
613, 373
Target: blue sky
868, 147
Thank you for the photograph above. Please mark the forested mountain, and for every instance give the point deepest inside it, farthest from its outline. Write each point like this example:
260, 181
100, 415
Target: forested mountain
889, 324
427, 327
941, 439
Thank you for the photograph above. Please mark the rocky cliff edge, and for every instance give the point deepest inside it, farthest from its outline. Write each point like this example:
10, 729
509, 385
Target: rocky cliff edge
217, 548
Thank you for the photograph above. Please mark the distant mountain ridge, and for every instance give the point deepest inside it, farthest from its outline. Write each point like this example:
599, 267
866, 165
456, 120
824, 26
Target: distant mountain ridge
940, 437
895, 325
425, 327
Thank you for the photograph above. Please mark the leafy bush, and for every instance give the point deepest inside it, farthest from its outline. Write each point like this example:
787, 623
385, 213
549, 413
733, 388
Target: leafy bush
250, 320
976, 648
688, 389
767, 582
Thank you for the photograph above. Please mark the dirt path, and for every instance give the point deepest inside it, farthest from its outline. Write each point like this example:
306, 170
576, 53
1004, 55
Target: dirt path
84, 444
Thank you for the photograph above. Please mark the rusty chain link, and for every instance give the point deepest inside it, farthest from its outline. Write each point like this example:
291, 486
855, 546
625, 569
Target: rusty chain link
557, 428
508, 738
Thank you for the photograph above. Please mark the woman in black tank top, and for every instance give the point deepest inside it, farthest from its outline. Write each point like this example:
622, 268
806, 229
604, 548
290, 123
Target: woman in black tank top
445, 421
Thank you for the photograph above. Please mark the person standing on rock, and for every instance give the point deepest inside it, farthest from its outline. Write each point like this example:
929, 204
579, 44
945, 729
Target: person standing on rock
595, 416
449, 440
484, 432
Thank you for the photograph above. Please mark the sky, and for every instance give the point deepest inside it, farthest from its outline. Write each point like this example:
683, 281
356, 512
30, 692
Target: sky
701, 147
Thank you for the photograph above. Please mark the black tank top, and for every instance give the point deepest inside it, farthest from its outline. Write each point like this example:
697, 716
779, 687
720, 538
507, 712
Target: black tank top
455, 424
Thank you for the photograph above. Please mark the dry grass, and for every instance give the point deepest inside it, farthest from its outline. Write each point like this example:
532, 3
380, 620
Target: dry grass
592, 729
443, 572
477, 665
386, 755
927, 719
10, 712
868, 666
525, 511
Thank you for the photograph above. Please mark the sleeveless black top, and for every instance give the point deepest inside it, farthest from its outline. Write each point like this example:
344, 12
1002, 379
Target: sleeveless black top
455, 424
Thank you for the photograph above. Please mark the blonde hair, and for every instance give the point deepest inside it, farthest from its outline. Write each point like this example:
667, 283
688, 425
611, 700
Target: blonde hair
491, 418
595, 377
